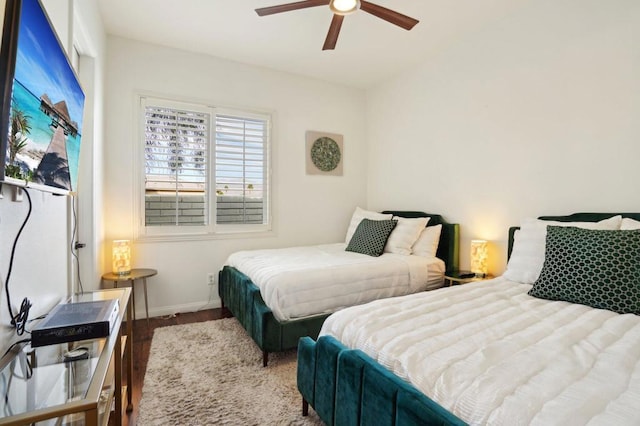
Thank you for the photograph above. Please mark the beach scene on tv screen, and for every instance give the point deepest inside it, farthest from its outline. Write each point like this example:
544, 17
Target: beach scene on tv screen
47, 103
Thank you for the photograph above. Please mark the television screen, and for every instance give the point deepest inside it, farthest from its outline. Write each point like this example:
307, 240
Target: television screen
43, 119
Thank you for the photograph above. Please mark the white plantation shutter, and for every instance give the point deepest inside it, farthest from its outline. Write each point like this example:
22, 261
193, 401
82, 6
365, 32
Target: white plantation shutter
176, 146
241, 169
205, 169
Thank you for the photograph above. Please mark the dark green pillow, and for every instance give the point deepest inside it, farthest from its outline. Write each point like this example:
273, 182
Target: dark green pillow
371, 236
596, 268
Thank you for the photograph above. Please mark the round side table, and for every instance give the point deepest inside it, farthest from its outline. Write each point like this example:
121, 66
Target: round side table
132, 276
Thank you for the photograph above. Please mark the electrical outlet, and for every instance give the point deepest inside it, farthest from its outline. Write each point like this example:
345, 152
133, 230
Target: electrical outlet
211, 278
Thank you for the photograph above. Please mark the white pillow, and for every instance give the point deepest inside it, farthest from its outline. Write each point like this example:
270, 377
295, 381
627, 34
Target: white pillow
428, 241
405, 233
360, 214
629, 224
529, 243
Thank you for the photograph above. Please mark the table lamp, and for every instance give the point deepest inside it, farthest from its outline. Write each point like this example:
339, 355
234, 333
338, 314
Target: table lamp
479, 257
121, 256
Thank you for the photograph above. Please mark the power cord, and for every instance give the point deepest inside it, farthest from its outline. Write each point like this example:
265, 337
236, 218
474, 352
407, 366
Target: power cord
76, 245
13, 345
20, 319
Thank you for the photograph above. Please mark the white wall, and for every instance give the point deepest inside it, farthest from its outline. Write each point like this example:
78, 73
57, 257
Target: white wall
59, 12
306, 209
537, 114
91, 41
39, 270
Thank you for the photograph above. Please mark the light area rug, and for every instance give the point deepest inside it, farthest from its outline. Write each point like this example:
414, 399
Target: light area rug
211, 373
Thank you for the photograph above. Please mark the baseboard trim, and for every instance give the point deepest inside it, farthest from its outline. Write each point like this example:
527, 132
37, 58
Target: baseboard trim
175, 309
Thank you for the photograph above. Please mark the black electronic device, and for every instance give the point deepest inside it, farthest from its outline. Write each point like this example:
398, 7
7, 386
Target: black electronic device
467, 275
70, 322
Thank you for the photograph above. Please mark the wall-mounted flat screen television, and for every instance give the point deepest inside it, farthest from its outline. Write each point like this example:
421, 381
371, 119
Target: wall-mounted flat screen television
42, 102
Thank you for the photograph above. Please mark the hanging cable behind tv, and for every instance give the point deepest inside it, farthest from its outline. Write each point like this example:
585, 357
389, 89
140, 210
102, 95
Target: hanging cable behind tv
19, 320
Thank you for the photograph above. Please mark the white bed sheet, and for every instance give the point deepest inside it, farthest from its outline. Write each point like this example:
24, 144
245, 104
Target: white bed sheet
299, 282
491, 354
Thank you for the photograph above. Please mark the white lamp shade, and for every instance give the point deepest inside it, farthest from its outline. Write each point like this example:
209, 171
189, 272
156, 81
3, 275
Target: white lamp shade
121, 255
344, 7
479, 257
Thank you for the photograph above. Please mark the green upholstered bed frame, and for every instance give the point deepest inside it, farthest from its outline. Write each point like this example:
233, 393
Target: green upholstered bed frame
242, 297
347, 387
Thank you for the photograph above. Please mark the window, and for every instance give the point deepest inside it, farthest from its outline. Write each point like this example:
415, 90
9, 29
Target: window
240, 169
205, 169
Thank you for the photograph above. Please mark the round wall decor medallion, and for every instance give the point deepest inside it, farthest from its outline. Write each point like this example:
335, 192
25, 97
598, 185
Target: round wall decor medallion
325, 154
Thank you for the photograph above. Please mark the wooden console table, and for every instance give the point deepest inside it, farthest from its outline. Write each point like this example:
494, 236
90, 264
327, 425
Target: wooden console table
37, 384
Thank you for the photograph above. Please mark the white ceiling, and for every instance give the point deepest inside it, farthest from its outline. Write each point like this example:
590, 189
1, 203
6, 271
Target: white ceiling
368, 51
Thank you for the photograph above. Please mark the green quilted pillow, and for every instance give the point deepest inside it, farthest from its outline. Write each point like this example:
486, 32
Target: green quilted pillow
371, 236
597, 268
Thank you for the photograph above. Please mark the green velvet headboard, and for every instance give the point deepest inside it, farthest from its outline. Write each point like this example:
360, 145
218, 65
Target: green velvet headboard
574, 217
449, 246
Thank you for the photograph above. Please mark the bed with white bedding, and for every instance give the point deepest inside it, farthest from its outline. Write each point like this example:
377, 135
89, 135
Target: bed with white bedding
559, 346
298, 282
280, 295
482, 351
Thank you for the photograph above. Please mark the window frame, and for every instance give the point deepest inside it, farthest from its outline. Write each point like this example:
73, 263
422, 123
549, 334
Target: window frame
211, 230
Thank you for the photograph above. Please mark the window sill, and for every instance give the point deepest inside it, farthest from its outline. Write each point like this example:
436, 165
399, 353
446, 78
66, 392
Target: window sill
204, 236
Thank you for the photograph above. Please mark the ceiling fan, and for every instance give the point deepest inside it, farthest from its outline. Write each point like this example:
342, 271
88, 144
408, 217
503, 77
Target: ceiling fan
340, 9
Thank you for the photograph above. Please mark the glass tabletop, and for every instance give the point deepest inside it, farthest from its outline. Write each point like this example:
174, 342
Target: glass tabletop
46, 379
38, 378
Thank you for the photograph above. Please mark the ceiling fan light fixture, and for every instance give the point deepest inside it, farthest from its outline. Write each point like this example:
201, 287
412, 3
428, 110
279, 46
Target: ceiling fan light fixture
340, 8
344, 7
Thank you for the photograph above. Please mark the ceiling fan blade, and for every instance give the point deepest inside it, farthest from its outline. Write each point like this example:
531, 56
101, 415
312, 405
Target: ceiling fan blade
388, 15
334, 30
263, 11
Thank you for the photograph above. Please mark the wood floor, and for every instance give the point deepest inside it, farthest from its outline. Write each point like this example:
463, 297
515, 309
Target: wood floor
142, 335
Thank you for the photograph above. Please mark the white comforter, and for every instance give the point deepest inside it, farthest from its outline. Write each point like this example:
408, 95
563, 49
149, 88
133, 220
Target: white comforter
491, 354
299, 282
